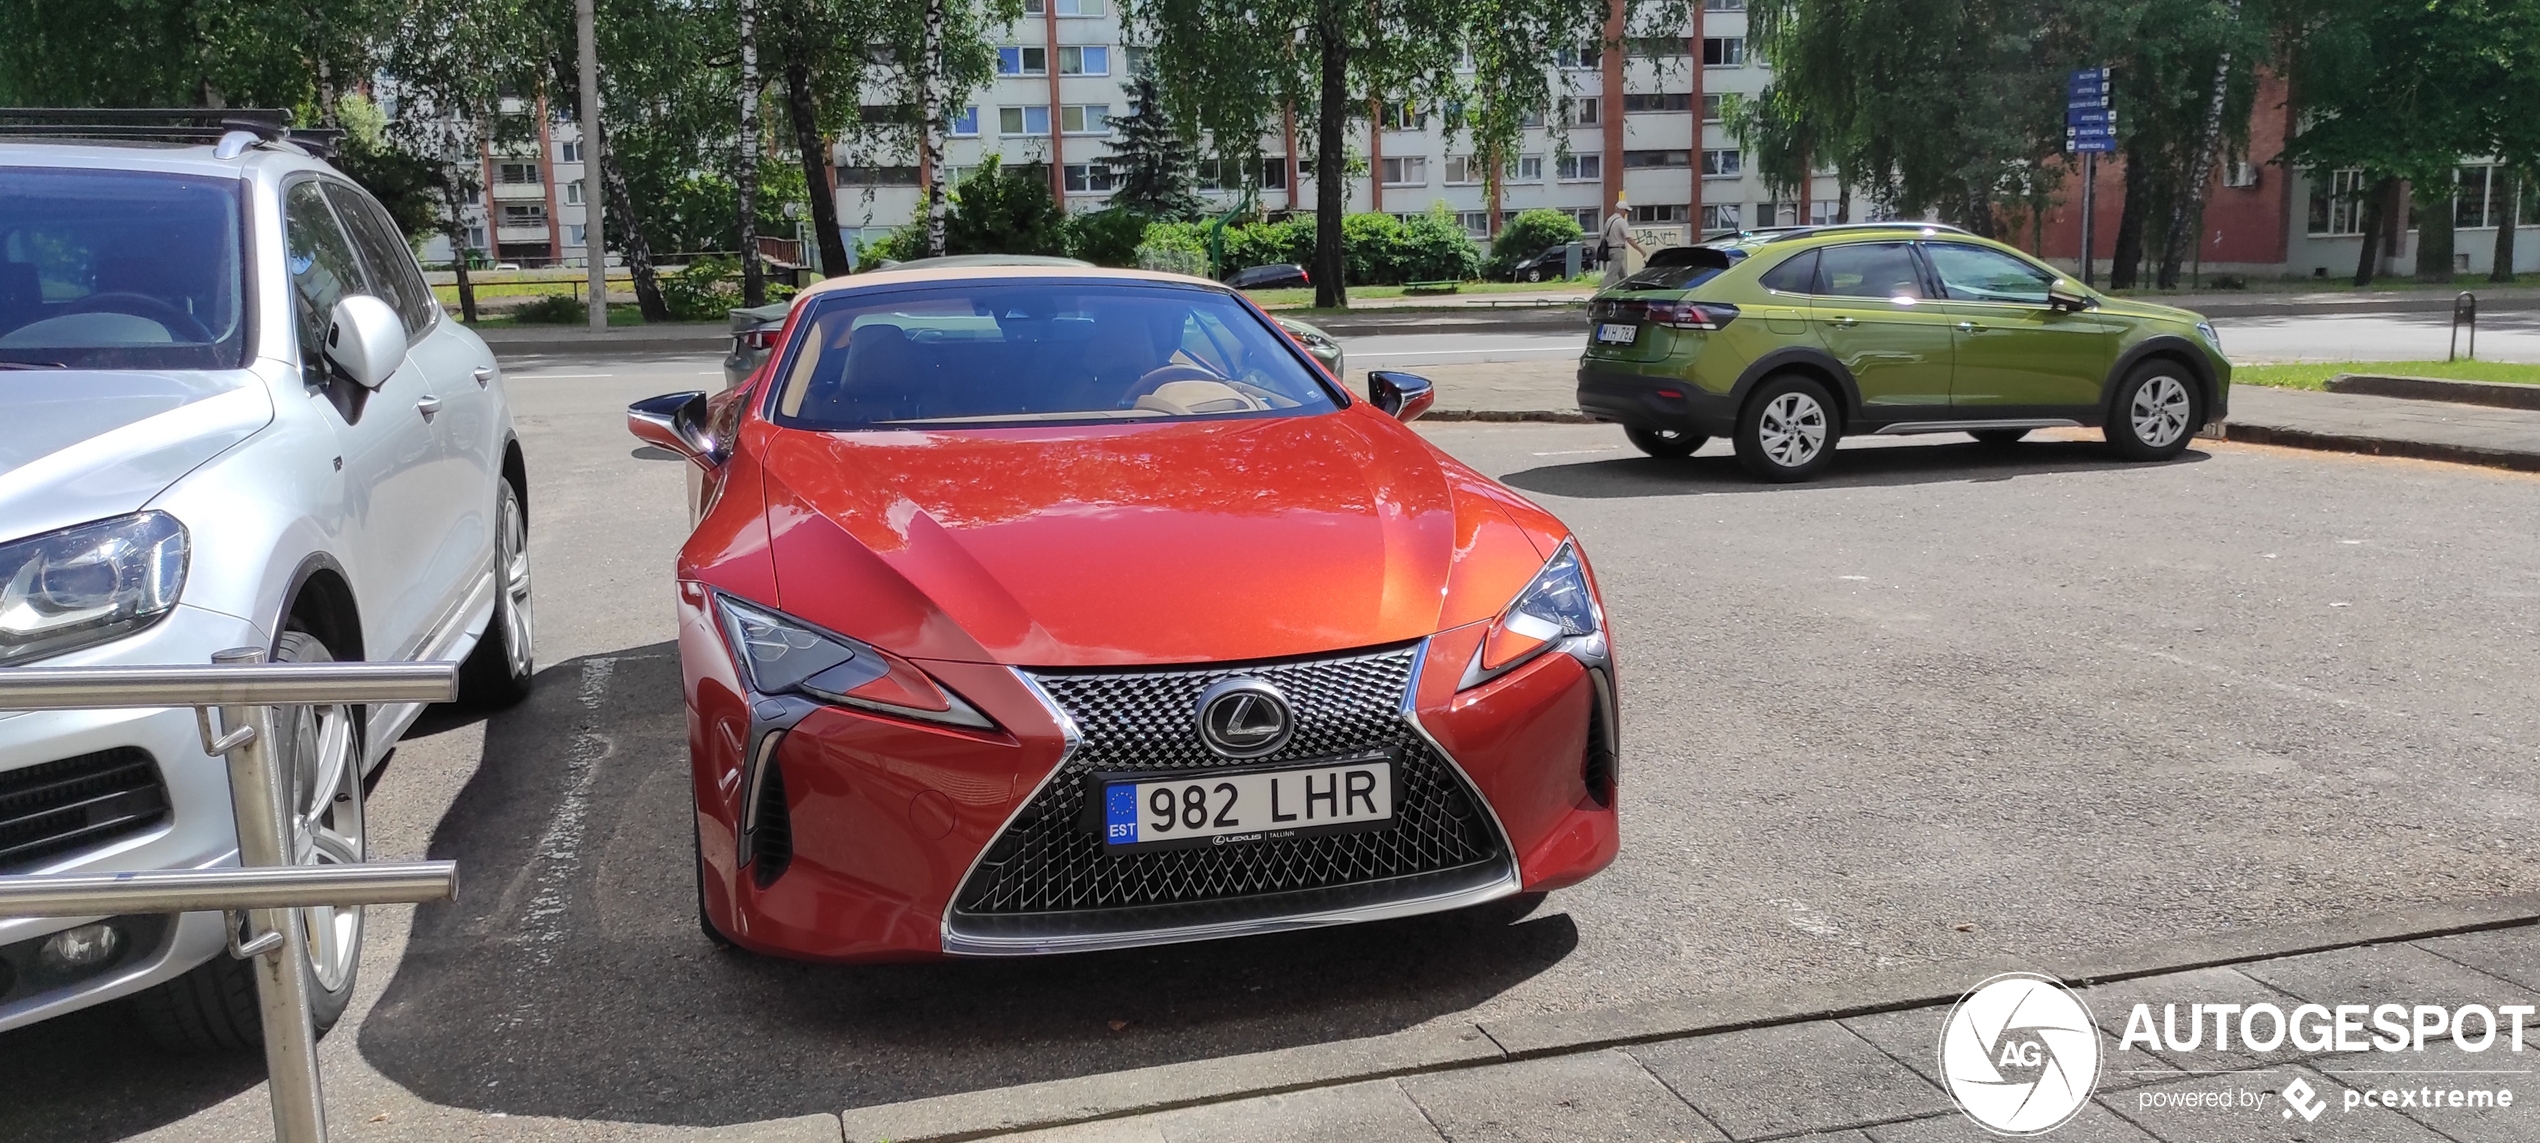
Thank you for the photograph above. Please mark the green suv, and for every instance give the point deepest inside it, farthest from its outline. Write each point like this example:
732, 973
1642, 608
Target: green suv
1785, 341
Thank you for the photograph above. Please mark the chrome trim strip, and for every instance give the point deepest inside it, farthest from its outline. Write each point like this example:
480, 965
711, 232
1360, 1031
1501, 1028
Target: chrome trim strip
1505, 886
1073, 738
1910, 428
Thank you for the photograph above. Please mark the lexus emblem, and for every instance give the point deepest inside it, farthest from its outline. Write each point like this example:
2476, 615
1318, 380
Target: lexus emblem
1244, 718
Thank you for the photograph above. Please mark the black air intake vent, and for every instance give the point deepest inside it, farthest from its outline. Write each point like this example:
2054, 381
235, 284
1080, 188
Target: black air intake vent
77, 803
772, 833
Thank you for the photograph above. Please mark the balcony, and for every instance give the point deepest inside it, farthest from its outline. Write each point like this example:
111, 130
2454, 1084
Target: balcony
520, 234
520, 192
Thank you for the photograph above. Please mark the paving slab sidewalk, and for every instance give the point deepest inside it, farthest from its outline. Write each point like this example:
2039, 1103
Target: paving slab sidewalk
1875, 1078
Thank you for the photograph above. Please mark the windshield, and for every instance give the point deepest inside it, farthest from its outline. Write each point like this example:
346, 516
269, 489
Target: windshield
978, 353
120, 270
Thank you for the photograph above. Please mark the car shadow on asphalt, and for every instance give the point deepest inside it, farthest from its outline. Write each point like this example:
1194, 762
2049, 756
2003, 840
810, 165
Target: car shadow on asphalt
1881, 465
570, 978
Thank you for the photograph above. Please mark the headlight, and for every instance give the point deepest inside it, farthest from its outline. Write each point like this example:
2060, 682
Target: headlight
81, 586
2206, 329
783, 654
1557, 605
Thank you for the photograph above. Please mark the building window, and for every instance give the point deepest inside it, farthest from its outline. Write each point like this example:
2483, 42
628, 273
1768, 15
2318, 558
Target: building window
1720, 164
1776, 214
2241, 173
2477, 202
516, 174
2337, 202
476, 237
1719, 217
1088, 178
576, 234
1084, 61
1711, 108
877, 176
1588, 218
1023, 61
569, 152
1581, 112
1724, 51
525, 214
573, 193
1580, 169
1476, 223
1133, 61
1274, 172
1639, 102
1676, 212
1723, 5
1656, 47
966, 123
1400, 116
1085, 118
1824, 212
1023, 121
1407, 171
1067, 7
1587, 58
1463, 170
1523, 169
1643, 160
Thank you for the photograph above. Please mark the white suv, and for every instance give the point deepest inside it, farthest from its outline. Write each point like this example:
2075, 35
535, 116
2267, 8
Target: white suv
231, 414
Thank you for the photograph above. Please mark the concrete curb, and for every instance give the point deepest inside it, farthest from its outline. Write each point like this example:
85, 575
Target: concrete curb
2515, 460
2496, 394
1059, 1103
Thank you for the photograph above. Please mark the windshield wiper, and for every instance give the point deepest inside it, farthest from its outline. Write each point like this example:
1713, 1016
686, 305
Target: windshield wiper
7, 364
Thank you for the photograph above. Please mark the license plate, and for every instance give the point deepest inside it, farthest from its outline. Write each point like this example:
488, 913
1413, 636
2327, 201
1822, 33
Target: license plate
1617, 333
1239, 806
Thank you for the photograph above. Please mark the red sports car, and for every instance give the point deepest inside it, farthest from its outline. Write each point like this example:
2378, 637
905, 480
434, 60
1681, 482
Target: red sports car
1037, 609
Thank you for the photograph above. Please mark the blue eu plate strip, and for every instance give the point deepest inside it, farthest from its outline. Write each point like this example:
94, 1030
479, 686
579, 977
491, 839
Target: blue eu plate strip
1120, 814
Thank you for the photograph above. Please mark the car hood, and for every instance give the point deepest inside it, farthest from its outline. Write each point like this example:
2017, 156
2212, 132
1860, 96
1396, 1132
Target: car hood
2132, 308
1143, 544
80, 445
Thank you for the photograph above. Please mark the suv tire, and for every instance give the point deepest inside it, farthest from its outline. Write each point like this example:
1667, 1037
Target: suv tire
499, 672
2156, 411
1666, 444
213, 1008
1787, 432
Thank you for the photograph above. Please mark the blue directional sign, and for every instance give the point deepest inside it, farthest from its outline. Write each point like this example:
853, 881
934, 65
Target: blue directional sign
2090, 117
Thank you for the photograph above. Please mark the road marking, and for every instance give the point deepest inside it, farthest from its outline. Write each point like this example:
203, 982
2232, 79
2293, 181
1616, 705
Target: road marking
1577, 451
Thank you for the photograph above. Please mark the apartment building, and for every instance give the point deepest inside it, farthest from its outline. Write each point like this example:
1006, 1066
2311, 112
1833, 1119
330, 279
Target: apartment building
529, 212
1643, 124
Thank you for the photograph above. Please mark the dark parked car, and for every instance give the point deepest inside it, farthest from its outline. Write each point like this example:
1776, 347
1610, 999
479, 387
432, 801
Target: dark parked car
1554, 260
1269, 277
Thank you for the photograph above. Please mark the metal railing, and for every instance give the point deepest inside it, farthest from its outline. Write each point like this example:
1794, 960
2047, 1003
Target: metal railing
233, 702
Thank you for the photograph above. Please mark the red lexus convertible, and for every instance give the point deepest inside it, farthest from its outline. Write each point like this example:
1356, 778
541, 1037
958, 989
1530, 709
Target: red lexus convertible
1037, 609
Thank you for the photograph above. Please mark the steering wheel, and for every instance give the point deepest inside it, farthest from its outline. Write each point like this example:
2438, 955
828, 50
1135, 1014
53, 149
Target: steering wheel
1161, 376
180, 325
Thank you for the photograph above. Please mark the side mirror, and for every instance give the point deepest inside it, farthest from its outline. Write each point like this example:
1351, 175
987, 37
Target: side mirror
675, 421
365, 340
1404, 395
2063, 295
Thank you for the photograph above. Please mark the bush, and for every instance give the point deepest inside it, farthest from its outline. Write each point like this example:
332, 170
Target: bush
1527, 235
704, 289
1107, 237
1433, 247
997, 211
1368, 244
1270, 243
553, 309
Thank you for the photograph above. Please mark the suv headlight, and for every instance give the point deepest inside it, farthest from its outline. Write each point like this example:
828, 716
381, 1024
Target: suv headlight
2205, 329
88, 584
1556, 606
782, 654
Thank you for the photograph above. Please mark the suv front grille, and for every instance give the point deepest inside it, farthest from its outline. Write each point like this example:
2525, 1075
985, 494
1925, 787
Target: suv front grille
1050, 860
77, 803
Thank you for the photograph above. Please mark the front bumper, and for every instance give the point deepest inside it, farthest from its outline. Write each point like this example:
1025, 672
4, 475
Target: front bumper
906, 841
1643, 400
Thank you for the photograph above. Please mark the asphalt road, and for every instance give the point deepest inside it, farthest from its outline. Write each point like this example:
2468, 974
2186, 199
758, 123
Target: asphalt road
1947, 703
2512, 335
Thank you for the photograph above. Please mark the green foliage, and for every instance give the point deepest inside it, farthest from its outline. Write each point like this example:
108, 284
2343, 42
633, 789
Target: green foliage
1000, 211
1378, 250
1527, 235
1150, 160
1107, 237
1270, 243
553, 309
703, 289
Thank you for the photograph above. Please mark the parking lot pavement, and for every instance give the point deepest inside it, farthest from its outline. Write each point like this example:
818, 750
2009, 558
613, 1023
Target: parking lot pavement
1948, 704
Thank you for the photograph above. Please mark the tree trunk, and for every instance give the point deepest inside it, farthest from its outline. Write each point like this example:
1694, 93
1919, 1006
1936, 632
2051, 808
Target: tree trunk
1331, 175
2129, 252
630, 239
455, 229
804, 110
2434, 228
2375, 209
2186, 234
2510, 196
930, 100
745, 177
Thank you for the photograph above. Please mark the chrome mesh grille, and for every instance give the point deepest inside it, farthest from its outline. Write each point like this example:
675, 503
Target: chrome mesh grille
1051, 860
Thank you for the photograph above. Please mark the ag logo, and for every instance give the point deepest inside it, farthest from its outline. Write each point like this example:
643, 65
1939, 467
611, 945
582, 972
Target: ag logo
1244, 718
2020, 1054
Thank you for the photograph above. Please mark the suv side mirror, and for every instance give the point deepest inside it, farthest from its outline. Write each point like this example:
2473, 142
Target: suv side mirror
1404, 395
365, 339
675, 421
2063, 295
